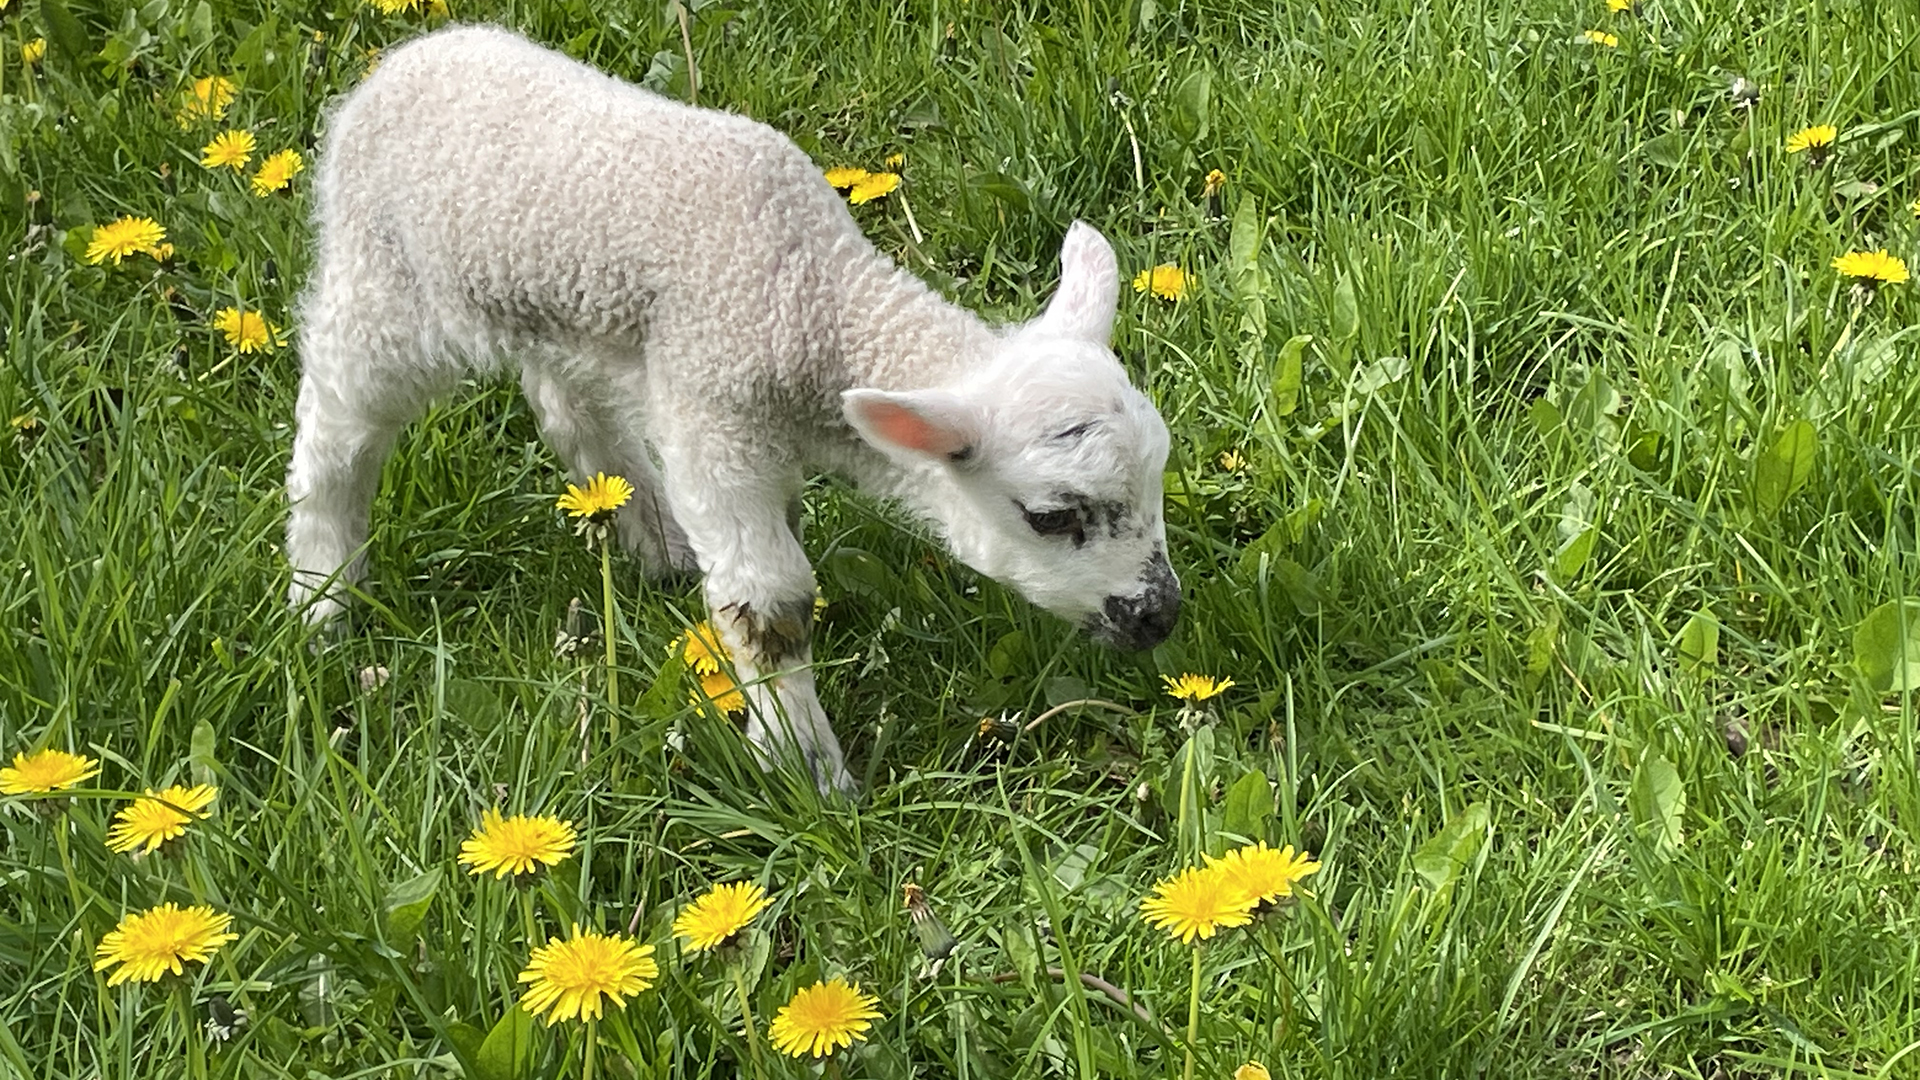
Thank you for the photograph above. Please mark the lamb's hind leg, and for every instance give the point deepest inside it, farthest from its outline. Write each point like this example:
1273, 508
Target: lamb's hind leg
353, 403
589, 441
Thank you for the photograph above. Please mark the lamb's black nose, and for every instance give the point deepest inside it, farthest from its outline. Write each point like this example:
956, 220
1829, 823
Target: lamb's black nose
1144, 620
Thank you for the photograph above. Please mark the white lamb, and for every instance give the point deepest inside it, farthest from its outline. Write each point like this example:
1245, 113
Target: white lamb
681, 282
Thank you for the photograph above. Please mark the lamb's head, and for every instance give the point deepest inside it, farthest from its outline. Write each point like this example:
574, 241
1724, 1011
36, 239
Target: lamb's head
1043, 468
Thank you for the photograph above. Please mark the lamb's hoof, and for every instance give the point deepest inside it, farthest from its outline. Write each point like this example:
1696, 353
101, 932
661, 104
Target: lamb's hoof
834, 779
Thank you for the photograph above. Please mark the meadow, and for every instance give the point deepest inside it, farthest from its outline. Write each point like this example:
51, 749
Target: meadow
1543, 487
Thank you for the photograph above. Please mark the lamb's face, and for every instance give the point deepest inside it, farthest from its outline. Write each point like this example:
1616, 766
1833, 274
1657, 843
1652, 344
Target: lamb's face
1063, 502
1051, 463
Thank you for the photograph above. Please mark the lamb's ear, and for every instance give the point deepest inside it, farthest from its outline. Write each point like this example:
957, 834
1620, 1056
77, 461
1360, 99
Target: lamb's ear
1089, 287
931, 425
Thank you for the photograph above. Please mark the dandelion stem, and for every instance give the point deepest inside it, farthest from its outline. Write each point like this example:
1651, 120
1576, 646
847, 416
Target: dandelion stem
593, 1044
607, 617
526, 917
746, 1014
196, 1052
1193, 1014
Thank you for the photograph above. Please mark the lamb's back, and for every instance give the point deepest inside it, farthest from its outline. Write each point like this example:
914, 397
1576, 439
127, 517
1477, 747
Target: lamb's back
558, 200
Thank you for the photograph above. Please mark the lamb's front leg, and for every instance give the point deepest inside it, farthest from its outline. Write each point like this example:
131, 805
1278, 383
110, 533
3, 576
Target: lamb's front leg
760, 590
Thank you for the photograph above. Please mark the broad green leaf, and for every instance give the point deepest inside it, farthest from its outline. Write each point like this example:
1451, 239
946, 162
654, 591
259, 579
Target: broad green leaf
475, 704
1062, 689
1346, 310
1447, 853
1658, 799
203, 752
862, 573
65, 33
1546, 418
1886, 646
1380, 374
1666, 151
1070, 869
1300, 585
1243, 247
1007, 654
1192, 104
1573, 555
1002, 187
664, 697
1540, 644
407, 903
508, 1052
1249, 806
1784, 467
466, 1038
200, 25
1283, 397
1700, 643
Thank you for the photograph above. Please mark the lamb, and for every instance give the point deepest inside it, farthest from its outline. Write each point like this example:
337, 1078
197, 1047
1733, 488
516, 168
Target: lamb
681, 285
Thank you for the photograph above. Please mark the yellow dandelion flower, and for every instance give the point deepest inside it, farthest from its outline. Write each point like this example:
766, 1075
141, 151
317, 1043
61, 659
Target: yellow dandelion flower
207, 100
1252, 1070
159, 817
46, 771
1260, 874
568, 978
1601, 37
1815, 141
1166, 281
248, 331
521, 844
598, 500
700, 648
877, 186
1195, 688
721, 913
160, 941
277, 172
393, 7
125, 236
1215, 181
845, 176
822, 1018
719, 688
1872, 268
32, 51
1619, 6
230, 149
1232, 460
896, 161
1194, 903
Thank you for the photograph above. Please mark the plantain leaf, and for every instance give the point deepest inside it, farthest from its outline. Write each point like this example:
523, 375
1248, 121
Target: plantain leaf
1249, 806
407, 903
1886, 646
1447, 853
1700, 643
1283, 397
1784, 467
1658, 800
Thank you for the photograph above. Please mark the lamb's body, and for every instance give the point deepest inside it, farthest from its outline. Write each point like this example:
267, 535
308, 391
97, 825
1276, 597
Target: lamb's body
661, 275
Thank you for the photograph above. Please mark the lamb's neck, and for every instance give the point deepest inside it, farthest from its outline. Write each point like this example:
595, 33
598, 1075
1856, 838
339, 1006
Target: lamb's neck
895, 333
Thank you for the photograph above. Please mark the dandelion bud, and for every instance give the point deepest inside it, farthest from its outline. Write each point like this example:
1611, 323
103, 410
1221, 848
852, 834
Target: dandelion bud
936, 942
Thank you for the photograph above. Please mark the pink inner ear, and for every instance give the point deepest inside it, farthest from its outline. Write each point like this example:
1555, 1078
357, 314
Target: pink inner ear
905, 428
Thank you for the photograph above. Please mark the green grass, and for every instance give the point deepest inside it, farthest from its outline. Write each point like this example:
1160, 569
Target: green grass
1564, 303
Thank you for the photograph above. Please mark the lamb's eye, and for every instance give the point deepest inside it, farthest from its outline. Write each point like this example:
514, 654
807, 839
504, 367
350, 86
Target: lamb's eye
1052, 522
